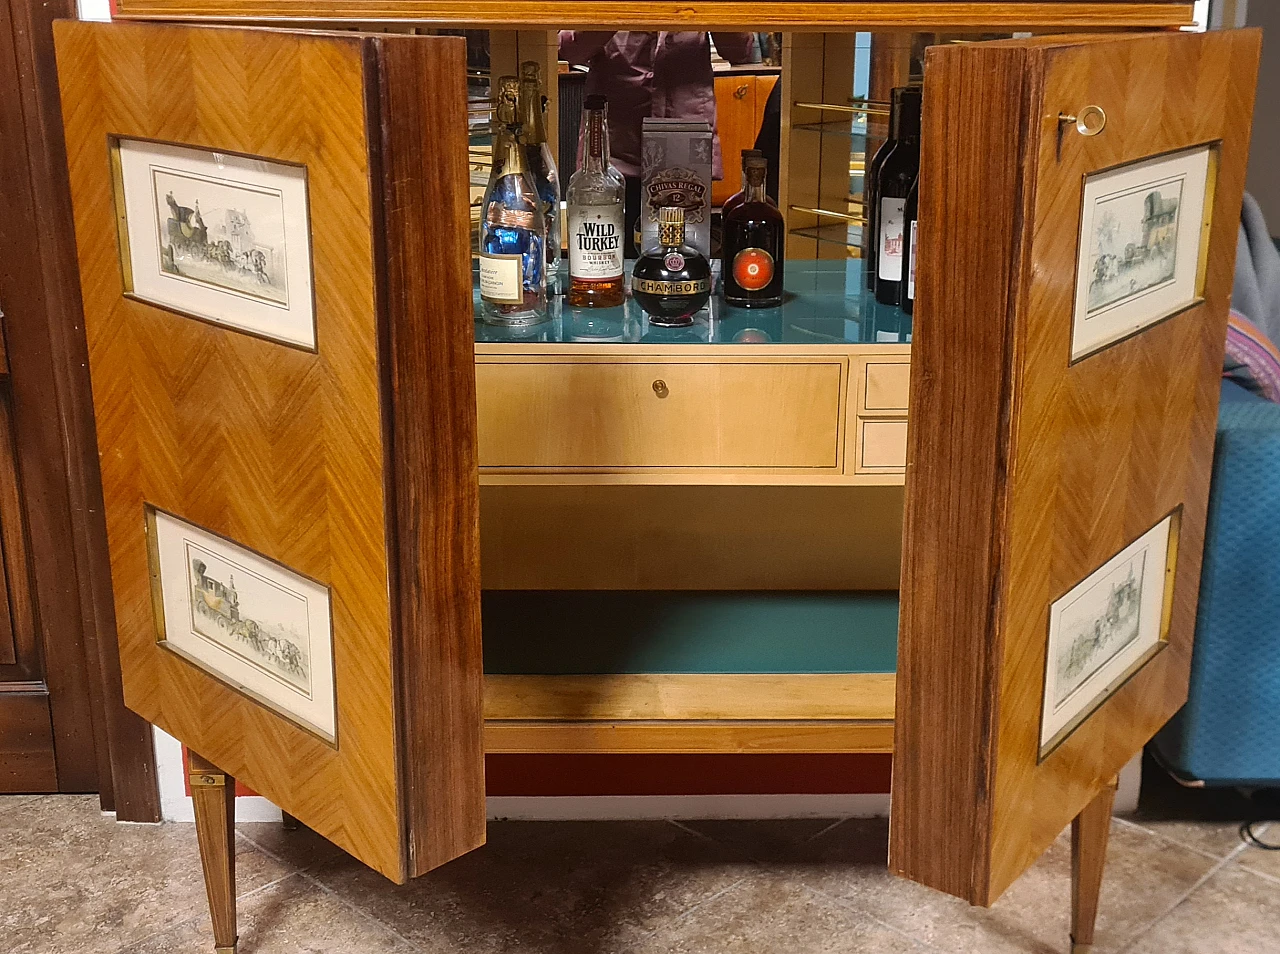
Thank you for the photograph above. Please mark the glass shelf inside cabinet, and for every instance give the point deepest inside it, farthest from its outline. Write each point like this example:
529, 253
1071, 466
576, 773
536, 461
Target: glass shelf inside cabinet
826, 302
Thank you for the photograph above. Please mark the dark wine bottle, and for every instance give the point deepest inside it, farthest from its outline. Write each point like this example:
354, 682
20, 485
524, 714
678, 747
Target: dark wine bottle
897, 174
753, 245
870, 173
909, 215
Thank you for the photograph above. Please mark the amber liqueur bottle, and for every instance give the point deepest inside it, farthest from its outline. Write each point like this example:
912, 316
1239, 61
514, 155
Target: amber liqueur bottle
753, 244
672, 281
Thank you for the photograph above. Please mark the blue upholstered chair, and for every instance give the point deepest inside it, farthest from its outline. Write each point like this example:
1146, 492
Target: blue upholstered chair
1229, 731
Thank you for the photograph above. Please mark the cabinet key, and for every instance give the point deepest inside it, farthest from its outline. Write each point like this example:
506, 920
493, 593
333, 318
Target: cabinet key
660, 388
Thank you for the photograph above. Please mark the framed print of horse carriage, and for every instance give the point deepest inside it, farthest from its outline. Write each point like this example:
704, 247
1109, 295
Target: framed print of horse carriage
245, 619
216, 236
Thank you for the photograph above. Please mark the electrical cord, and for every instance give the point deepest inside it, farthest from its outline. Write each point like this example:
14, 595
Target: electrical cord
1247, 835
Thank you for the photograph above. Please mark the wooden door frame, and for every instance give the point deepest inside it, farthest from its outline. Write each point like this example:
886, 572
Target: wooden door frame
56, 443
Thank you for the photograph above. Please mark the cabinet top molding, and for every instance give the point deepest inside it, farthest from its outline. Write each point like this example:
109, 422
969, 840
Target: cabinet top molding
824, 15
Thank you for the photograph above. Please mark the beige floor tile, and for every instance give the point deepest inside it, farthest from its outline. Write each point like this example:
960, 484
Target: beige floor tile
1145, 876
1217, 839
1234, 912
299, 849
292, 917
75, 881
766, 914
587, 887
1258, 859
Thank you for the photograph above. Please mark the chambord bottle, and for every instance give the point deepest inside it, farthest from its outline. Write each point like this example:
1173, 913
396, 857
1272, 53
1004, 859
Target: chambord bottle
513, 263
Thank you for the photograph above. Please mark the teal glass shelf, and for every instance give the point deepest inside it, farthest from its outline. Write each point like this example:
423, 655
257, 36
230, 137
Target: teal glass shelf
587, 632
826, 302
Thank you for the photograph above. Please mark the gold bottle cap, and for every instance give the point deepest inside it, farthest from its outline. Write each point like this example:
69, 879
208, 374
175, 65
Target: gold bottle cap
670, 225
531, 71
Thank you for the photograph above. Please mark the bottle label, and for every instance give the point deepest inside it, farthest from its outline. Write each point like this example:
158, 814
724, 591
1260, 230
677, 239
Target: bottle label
501, 279
595, 242
889, 257
911, 272
689, 286
753, 269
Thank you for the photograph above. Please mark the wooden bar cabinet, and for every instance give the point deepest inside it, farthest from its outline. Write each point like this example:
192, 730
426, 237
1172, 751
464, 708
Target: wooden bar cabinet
358, 539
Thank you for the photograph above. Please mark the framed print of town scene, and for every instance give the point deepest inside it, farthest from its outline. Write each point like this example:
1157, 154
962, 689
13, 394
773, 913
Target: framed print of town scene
217, 236
1105, 629
249, 621
1142, 234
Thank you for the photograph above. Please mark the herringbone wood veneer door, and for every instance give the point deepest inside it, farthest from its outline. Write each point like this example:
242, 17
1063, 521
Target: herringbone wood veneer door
1038, 469
351, 465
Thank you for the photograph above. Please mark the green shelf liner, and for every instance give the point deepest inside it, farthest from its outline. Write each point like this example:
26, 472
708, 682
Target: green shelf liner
581, 632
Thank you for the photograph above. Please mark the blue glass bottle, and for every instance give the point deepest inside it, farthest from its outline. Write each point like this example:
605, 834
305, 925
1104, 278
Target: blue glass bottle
513, 263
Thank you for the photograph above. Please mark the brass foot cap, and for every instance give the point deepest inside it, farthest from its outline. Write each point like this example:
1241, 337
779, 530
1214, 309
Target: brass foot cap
227, 950
1080, 948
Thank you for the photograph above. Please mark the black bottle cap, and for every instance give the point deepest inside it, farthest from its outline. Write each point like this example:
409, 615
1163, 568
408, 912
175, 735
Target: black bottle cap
595, 101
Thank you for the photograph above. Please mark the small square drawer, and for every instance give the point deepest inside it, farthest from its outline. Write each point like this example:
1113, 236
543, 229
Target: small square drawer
585, 413
887, 385
883, 445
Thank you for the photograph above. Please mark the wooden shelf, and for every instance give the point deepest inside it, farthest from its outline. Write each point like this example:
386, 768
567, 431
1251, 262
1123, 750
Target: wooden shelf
793, 15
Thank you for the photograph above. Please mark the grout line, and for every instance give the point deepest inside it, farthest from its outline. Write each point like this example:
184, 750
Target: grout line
1127, 945
693, 831
865, 912
1167, 839
687, 912
360, 910
818, 834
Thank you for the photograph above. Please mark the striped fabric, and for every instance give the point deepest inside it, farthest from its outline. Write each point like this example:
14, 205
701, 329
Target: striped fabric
1252, 360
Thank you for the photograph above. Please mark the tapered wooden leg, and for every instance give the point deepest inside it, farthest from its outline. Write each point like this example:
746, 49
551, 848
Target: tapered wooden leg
214, 793
1089, 833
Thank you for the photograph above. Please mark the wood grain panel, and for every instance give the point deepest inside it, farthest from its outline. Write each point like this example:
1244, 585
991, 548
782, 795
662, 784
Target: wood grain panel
431, 453
721, 737
644, 412
992, 16
682, 538
693, 696
26, 740
287, 451
1063, 465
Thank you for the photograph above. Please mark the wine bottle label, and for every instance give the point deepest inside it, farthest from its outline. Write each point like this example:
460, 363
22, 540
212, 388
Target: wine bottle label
652, 286
595, 242
889, 258
753, 269
911, 272
500, 278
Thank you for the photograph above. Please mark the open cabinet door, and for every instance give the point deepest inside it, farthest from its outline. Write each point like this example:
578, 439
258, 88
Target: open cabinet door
274, 254
1078, 212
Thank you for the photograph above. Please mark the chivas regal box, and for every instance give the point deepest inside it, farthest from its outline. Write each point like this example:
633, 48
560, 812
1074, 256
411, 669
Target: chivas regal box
677, 165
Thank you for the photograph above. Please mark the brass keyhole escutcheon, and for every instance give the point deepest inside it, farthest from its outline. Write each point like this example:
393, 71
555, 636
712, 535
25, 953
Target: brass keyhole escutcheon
660, 388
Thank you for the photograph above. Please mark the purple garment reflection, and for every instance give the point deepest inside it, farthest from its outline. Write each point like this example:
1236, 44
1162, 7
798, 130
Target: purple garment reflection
652, 74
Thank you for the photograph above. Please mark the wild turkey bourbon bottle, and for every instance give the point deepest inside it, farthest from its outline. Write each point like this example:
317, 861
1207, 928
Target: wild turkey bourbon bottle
753, 244
671, 282
595, 200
